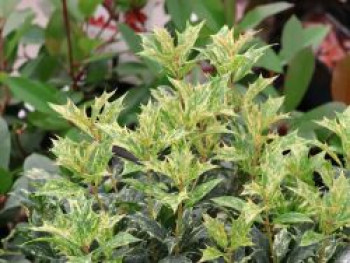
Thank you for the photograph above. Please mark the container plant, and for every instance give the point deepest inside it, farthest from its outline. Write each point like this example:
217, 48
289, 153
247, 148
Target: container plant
204, 176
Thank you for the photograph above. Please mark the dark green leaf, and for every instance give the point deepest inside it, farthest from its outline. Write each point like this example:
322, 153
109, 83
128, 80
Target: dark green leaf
88, 7
212, 11
42, 68
35, 93
55, 34
306, 121
314, 35
261, 248
13, 40
76, 11
269, 60
151, 227
260, 13
292, 39
298, 77
87, 46
301, 254
230, 12
48, 122
201, 191
135, 97
5, 141
180, 11
99, 57
134, 68
131, 38
97, 71
6, 181
309, 37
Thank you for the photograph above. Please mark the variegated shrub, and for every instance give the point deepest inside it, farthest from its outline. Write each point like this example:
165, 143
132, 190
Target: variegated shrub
203, 177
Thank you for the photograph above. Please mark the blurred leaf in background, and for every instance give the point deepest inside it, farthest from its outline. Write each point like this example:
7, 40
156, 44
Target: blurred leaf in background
5, 152
299, 74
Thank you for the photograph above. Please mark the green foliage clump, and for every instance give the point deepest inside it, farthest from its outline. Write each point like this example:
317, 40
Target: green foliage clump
210, 178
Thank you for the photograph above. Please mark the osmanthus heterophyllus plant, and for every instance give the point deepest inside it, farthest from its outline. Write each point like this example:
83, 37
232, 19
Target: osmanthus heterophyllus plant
206, 179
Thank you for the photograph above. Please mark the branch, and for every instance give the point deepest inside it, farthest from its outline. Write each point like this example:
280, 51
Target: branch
69, 44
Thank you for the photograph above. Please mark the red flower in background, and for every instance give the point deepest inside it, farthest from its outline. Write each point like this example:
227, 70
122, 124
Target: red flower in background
101, 22
333, 47
136, 19
331, 50
108, 3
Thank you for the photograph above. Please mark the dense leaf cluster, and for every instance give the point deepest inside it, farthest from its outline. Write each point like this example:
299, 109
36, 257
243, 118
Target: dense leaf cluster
213, 179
